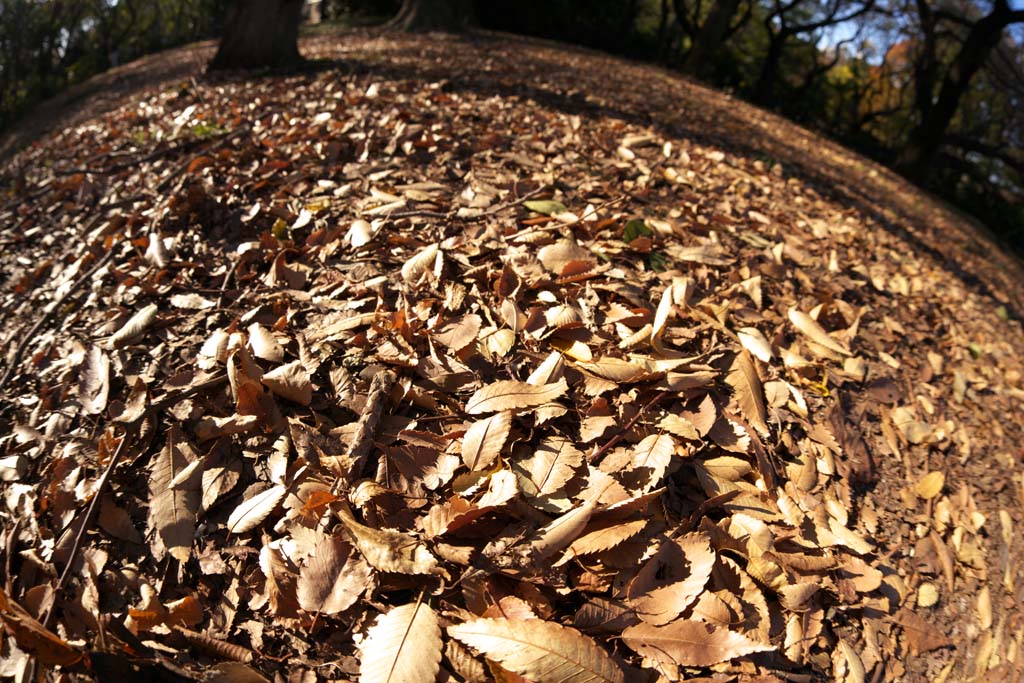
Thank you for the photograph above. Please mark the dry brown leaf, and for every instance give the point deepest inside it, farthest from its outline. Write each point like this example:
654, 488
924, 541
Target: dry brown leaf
562, 531
614, 369
135, 326
540, 651
671, 579
930, 485
689, 643
233, 672
459, 334
755, 342
512, 394
423, 262
264, 344
290, 381
605, 535
172, 509
250, 513
748, 391
402, 646
390, 551
550, 467
33, 638
333, 577
650, 458
94, 381
555, 257
921, 635
484, 440
815, 332
214, 427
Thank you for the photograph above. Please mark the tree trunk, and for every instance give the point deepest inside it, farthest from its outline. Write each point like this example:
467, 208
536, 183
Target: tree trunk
420, 16
259, 33
764, 89
915, 160
710, 37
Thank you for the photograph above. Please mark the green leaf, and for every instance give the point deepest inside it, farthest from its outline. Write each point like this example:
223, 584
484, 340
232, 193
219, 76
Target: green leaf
547, 207
659, 262
635, 228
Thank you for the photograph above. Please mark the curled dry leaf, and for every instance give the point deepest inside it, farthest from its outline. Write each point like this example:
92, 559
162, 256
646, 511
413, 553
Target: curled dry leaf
264, 344
390, 551
135, 326
689, 643
555, 257
755, 342
94, 381
815, 332
512, 394
540, 651
359, 233
562, 531
423, 262
402, 646
290, 381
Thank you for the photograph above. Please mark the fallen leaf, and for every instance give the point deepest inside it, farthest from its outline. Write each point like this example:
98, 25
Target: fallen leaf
689, 643
512, 394
172, 509
135, 326
333, 577
748, 391
402, 646
815, 332
539, 651
250, 513
484, 440
290, 381
671, 579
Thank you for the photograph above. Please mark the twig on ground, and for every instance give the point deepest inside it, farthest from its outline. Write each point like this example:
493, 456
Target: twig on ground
629, 425
89, 513
506, 205
15, 359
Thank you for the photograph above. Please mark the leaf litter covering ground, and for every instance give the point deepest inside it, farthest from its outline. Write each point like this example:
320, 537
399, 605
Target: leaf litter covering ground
448, 361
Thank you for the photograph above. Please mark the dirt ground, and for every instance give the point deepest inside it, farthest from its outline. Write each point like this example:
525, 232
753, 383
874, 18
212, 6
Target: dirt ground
903, 424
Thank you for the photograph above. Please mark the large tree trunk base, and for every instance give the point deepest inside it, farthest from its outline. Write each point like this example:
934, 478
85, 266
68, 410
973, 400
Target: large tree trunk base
260, 33
423, 16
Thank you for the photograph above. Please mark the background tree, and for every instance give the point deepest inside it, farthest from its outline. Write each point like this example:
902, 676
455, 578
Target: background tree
450, 16
259, 33
789, 19
938, 91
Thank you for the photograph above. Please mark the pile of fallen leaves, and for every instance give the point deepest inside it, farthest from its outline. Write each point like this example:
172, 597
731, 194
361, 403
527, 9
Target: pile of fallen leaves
345, 373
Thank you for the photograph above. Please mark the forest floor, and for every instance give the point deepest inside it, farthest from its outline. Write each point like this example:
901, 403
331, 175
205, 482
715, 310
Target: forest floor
481, 357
